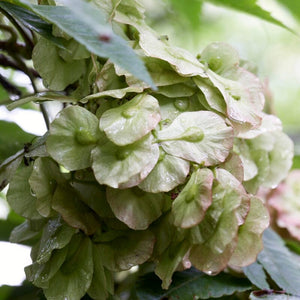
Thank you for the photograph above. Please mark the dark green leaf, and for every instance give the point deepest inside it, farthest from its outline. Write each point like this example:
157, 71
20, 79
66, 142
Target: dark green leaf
279, 263
256, 274
250, 7
75, 275
191, 284
32, 21
19, 194
74, 212
12, 139
86, 24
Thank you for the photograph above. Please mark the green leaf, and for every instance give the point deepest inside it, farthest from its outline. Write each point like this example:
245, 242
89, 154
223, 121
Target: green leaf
12, 139
201, 137
131, 121
20, 196
129, 249
127, 166
101, 285
39, 97
80, 18
193, 201
250, 234
170, 260
256, 274
33, 22
250, 7
74, 212
191, 284
292, 6
169, 172
25, 231
56, 235
43, 182
279, 263
40, 274
57, 73
75, 275
136, 208
94, 196
220, 57
73, 135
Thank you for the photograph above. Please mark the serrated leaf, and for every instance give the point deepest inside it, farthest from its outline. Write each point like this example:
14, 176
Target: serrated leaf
169, 172
191, 204
19, 194
127, 166
129, 249
80, 18
131, 121
256, 274
136, 208
279, 263
250, 7
201, 137
191, 284
73, 135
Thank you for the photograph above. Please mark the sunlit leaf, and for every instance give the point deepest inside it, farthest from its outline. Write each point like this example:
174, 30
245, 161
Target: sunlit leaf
131, 121
124, 166
73, 135
201, 137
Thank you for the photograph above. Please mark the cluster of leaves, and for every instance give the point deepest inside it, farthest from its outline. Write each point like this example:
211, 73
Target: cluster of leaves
158, 166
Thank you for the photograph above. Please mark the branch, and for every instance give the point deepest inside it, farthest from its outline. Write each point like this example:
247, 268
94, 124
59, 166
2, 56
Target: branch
9, 87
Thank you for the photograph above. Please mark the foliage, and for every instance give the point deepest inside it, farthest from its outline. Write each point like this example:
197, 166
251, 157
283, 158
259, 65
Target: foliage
154, 161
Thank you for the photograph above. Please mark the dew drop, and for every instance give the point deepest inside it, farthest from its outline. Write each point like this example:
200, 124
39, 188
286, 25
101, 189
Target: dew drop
181, 105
